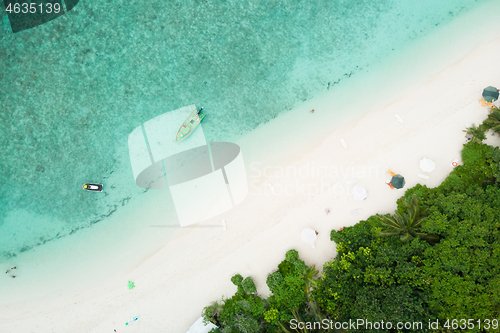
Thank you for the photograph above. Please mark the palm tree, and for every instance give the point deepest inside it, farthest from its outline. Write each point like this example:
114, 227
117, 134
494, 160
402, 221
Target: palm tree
493, 120
313, 311
407, 225
476, 133
211, 313
309, 275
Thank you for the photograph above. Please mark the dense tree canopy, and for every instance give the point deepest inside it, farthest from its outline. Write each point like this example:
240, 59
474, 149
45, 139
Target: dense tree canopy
454, 278
436, 258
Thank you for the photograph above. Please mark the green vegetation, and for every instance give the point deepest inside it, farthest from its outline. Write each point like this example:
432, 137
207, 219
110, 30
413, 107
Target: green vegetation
476, 133
240, 313
406, 225
245, 312
436, 258
493, 120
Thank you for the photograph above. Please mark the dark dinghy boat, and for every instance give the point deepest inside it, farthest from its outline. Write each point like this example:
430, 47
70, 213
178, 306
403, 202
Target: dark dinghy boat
92, 187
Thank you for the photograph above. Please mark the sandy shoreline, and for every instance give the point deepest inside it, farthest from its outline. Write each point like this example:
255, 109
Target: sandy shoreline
195, 267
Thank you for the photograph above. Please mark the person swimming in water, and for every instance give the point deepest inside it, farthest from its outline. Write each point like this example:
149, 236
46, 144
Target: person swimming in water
7, 271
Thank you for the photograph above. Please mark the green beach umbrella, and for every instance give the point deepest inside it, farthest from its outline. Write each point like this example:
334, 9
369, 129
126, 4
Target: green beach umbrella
398, 181
131, 285
490, 94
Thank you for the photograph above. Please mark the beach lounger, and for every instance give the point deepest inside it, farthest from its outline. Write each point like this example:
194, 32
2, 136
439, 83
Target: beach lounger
356, 211
484, 103
343, 143
389, 182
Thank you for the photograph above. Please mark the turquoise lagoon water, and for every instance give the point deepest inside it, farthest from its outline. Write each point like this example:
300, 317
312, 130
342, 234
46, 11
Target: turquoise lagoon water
74, 88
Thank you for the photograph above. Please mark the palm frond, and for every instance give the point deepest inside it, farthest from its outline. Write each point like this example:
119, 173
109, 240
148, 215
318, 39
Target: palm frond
406, 224
405, 237
389, 221
388, 233
477, 133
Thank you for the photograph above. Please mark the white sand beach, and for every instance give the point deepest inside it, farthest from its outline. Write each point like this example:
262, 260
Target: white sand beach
309, 171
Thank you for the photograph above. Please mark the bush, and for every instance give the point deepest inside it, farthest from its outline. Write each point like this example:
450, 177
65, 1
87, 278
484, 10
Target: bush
249, 286
271, 316
237, 279
288, 296
292, 255
292, 265
211, 313
239, 305
244, 312
274, 280
247, 324
360, 235
463, 269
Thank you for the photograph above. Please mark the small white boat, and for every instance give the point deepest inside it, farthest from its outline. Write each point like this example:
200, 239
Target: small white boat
189, 125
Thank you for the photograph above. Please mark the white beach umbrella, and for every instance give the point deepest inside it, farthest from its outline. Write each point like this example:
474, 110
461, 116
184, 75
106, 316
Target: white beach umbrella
308, 236
359, 192
427, 165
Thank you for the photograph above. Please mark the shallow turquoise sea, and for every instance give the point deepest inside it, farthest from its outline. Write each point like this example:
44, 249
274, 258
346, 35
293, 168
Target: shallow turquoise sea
74, 88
